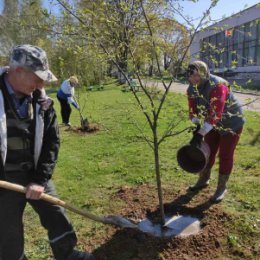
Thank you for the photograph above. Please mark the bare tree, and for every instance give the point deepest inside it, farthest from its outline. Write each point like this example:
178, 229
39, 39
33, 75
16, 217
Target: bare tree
149, 101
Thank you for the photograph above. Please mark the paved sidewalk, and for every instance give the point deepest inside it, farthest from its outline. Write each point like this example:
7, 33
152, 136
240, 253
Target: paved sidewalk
243, 98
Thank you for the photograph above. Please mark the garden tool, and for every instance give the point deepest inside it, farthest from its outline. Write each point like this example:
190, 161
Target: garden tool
171, 228
193, 159
83, 121
113, 220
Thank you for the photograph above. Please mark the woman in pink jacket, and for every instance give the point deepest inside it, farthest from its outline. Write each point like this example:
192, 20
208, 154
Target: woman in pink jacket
213, 107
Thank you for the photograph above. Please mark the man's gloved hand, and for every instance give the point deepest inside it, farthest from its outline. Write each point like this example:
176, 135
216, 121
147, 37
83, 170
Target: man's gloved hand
196, 140
42, 99
46, 103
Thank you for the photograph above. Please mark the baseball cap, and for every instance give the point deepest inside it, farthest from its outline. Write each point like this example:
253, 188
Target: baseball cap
34, 58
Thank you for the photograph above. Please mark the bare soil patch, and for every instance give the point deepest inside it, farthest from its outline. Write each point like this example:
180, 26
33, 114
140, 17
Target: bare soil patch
90, 129
141, 202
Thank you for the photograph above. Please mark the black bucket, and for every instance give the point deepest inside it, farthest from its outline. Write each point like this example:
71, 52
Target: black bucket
193, 159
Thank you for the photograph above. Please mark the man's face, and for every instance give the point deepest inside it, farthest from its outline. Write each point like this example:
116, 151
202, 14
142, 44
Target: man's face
28, 81
193, 76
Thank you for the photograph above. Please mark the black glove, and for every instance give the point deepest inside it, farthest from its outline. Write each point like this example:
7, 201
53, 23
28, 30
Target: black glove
196, 129
196, 140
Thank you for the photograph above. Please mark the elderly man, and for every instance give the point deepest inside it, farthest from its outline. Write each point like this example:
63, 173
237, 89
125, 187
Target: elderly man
29, 141
213, 105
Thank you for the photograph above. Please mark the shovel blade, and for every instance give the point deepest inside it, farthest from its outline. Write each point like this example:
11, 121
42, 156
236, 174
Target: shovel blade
120, 222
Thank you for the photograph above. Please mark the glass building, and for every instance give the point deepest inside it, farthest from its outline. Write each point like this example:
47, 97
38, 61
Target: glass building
231, 46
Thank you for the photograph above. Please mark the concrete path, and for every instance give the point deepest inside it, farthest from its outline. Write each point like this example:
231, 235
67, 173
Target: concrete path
248, 101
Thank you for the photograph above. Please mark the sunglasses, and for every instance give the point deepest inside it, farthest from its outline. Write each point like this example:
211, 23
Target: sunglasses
191, 70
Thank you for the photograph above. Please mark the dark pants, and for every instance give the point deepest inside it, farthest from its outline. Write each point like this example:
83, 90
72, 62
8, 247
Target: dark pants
225, 145
62, 238
65, 110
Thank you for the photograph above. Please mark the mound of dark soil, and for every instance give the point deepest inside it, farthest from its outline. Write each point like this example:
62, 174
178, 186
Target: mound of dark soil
89, 129
142, 202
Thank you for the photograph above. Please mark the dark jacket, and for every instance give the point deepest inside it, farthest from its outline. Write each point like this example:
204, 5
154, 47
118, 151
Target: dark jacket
46, 139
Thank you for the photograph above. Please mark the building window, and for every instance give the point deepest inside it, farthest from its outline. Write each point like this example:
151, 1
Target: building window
240, 47
250, 43
220, 49
258, 42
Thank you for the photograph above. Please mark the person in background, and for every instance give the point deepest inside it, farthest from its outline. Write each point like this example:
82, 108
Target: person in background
65, 96
213, 105
29, 142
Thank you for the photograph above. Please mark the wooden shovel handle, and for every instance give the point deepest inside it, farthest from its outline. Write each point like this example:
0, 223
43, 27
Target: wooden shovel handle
19, 188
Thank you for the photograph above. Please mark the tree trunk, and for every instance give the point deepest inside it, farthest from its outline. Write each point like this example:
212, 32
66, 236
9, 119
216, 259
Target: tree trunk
166, 61
151, 70
123, 70
158, 175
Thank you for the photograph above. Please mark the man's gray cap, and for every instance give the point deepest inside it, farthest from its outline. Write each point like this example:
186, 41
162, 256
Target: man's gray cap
34, 58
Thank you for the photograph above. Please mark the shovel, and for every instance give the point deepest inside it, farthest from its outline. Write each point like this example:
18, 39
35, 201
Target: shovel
83, 121
113, 220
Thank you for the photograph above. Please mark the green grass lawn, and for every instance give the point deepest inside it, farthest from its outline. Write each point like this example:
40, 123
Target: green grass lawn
91, 167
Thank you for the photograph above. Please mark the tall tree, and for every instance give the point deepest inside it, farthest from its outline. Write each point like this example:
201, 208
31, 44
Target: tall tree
113, 29
9, 25
33, 22
10, 8
112, 23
